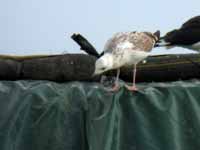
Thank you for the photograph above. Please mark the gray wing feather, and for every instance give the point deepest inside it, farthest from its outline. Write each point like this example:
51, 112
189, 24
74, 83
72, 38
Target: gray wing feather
117, 41
129, 40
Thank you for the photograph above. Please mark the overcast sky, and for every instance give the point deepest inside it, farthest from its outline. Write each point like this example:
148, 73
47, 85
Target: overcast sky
45, 26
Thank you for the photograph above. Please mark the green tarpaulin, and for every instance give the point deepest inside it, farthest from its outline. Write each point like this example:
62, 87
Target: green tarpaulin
43, 115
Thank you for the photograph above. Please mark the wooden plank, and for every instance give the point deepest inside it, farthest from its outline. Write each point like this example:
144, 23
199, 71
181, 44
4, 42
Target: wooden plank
79, 67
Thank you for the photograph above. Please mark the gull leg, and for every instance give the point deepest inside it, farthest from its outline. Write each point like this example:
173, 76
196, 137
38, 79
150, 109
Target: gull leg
133, 87
116, 86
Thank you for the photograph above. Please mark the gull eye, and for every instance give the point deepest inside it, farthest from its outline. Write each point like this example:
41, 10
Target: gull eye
103, 68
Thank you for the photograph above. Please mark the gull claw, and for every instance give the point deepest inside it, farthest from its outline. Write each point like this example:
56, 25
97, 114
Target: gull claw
131, 88
115, 88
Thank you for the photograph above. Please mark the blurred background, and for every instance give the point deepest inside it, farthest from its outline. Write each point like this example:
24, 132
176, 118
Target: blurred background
44, 27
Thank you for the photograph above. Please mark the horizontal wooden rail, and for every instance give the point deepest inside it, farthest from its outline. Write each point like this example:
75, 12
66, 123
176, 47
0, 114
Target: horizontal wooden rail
79, 67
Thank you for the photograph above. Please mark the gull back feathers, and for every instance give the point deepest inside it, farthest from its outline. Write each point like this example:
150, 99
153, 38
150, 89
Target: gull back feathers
129, 48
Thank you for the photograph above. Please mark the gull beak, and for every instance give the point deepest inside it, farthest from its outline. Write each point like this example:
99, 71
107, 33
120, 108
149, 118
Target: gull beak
94, 74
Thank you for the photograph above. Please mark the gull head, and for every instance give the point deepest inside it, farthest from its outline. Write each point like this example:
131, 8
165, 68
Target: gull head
103, 64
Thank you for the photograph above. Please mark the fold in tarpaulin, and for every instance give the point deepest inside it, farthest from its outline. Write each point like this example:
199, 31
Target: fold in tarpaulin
41, 115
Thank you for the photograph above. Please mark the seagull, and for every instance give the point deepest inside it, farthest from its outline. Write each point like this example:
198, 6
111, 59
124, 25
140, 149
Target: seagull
125, 49
187, 36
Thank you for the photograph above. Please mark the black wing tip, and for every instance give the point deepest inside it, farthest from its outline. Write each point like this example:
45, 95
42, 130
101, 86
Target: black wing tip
162, 42
84, 44
157, 35
76, 36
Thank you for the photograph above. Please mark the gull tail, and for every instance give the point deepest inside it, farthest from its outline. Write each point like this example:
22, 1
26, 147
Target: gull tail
85, 45
162, 43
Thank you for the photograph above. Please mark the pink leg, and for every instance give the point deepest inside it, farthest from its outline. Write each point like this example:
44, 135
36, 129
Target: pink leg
133, 87
116, 86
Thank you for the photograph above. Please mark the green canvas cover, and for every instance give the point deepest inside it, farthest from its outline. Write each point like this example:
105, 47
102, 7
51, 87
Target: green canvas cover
43, 115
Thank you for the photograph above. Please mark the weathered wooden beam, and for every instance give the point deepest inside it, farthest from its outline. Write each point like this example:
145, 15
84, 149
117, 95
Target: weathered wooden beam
166, 68
79, 67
